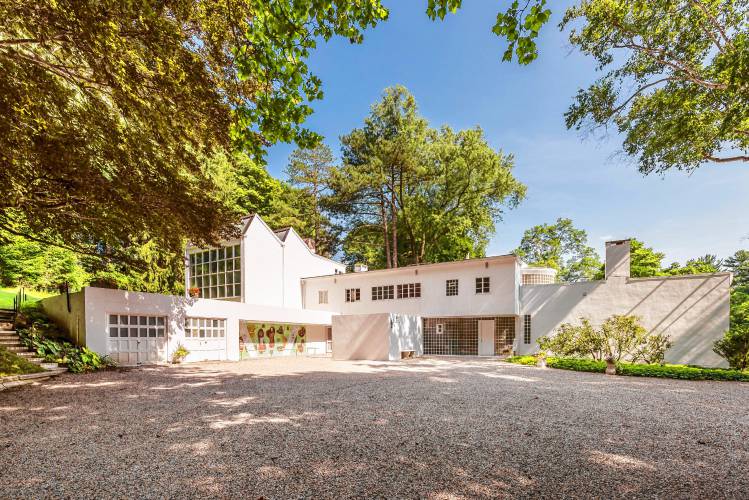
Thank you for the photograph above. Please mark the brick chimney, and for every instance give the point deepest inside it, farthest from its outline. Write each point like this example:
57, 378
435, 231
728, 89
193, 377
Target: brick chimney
617, 259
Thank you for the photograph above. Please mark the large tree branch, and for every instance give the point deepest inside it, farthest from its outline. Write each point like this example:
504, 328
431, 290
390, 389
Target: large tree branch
716, 24
727, 159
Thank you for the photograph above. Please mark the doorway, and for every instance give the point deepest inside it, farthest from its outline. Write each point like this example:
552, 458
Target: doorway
486, 337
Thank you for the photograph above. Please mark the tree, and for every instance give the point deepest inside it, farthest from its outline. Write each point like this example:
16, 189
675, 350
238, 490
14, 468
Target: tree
110, 108
429, 194
701, 265
676, 82
738, 264
560, 246
309, 171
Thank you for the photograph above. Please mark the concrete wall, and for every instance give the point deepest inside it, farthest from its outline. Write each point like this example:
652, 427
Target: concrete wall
692, 310
504, 274
73, 321
262, 266
377, 337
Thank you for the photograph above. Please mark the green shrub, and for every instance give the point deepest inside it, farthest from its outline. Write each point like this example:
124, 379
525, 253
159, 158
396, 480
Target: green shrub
681, 372
39, 334
734, 347
522, 360
685, 372
618, 338
577, 364
179, 353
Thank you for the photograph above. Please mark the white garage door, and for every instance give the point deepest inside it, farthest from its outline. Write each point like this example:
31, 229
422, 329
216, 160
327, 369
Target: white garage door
137, 339
205, 338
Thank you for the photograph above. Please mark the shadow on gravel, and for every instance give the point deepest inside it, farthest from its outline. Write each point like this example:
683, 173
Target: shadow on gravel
436, 428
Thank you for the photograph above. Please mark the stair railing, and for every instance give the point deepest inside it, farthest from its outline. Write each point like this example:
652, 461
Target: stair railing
19, 299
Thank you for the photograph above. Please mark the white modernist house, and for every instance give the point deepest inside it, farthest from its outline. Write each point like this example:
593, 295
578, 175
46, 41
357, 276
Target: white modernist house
268, 294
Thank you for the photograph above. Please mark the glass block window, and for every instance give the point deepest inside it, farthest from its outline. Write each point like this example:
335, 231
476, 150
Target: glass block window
217, 272
353, 294
128, 325
527, 329
200, 328
451, 288
322, 296
382, 292
537, 279
482, 285
409, 290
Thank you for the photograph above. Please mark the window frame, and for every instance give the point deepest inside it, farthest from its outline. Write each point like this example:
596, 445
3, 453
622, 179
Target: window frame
202, 326
383, 292
409, 290
353, 294
217, 271
322, 294
527, 329
450, 288
483, 285
144, 325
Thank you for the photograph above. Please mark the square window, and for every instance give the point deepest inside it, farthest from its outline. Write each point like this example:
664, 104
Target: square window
482, 285
451, 288
133, 332
133, 320
143, 332
123, 320
112, 319
152, 332
236, 250
220, 254
237, 290
113, 331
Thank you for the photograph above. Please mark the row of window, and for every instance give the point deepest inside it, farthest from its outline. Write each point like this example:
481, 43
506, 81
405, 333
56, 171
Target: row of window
405, 291
123, 325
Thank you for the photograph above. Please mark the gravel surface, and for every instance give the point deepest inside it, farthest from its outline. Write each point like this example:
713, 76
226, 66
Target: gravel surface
434, 428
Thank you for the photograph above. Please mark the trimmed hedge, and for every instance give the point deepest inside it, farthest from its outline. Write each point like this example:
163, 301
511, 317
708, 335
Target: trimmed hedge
684, 372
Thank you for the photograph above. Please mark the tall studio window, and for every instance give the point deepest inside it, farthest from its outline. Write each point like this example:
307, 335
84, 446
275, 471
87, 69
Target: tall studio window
382, 292
527, 329
322, 296
409, 290
200, 328
217, 272
482, 285
451, 288
353, 294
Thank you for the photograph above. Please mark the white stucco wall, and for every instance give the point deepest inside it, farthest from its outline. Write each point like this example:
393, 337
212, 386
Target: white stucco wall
96, 304
377, 337
262, 266
502, 300
692, 310
300, 262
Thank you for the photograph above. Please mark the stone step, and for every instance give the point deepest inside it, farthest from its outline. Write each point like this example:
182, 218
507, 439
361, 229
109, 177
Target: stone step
27, 354
49, 366
36, 360
30, 378
9, 342
16, 348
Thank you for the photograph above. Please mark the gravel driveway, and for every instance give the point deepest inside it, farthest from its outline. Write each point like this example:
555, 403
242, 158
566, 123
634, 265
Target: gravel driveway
436, 428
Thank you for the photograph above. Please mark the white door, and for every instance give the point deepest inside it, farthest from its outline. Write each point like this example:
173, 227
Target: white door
136, 339
486, 337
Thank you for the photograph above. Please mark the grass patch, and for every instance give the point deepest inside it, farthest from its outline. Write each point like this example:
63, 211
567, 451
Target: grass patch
11, 364
684, 372
8, 294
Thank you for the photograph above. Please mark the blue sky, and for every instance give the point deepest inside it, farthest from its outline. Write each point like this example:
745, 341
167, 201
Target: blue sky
454, 70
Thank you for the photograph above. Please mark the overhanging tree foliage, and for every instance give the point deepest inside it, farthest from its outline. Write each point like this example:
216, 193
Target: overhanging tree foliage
676, 82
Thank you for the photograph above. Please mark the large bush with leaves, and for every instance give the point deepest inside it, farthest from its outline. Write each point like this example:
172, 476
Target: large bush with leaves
38, 333
619, 337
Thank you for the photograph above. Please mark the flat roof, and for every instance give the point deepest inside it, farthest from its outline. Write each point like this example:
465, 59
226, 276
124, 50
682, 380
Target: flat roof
412, 267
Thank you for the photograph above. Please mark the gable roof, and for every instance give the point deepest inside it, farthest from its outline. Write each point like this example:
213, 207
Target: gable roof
282, 233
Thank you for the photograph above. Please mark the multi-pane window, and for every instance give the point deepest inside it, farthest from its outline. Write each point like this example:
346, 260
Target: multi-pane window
537, 279
382, 292
200, 328
482, 285
128, 325
409, 290
322, 296
217, 272
353, 295
527, 329
451, 287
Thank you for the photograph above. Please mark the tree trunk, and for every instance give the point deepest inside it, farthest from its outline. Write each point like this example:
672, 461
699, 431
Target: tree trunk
385, 241
394, 228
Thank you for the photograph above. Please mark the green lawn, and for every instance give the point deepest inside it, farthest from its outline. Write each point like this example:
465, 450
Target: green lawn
7, 294
10, 364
